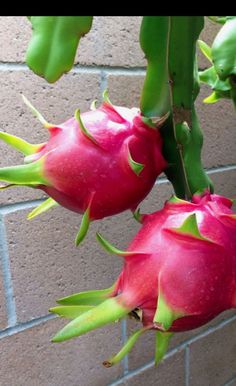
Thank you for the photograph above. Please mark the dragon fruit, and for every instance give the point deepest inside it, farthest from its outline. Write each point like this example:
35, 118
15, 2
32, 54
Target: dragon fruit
179, 273
98, 163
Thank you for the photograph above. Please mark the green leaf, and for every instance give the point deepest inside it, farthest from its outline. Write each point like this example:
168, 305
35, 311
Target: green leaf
176, 200
70, 312
164, 315
36, 113
105, 97
52, 48
222, 86
111, 249
162, 342
208, 76
125, 349
46, 205
218, 19
17, 143
88, 298
206, 50
83, 128
84, 227
30, 174
135, 166
213, 98
138, 216
190, 226
107, 312
93, 105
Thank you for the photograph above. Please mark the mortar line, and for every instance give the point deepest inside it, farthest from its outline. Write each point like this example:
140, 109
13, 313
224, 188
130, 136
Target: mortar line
220, 169
186, 365
83, 69
25, 326
175, 350
89, 68
103, 81
14, 207
231, 382
125, 361
7, 279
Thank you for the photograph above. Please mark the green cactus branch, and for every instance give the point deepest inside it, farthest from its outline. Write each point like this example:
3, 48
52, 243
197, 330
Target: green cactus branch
52, 48
181, 132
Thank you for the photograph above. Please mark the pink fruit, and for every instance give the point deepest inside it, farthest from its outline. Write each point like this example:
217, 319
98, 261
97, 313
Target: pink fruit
179, 273
99, 163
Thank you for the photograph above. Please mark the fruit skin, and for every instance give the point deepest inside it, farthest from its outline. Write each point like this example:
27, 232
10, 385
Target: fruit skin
179, 273
100, 162
80, 168
193, 268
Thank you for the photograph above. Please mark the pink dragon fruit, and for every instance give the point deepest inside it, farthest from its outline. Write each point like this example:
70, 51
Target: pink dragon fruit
179, 273
99, 163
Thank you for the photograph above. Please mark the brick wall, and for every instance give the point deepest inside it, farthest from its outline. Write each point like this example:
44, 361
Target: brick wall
39, 262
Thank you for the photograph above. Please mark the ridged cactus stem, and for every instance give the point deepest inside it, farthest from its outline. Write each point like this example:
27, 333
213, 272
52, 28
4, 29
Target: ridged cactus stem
184, 32
181, 132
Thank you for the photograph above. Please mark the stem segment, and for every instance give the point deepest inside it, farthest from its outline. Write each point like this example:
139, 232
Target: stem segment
181, 132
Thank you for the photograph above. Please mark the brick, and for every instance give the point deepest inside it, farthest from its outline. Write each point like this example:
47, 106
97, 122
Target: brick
212, 358
46, 244
56, 102
3, 317
30, 359
15, 32
169, 372
218, 126
112, 41
125, 90
225, 183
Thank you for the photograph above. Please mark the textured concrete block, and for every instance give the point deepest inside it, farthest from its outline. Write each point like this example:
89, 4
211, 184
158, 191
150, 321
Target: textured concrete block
225, 183
212, 358
170, 372
112, 41
30, 359
56, 102
125, 90
15, 32
218, 125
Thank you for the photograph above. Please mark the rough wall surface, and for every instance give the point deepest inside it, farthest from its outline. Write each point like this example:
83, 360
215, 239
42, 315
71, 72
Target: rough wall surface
39, 262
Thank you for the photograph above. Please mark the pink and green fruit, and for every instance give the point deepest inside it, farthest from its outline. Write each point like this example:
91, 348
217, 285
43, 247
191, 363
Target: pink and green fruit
179, 273
98, 163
